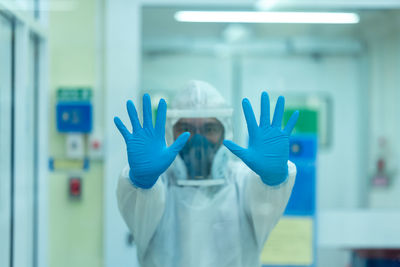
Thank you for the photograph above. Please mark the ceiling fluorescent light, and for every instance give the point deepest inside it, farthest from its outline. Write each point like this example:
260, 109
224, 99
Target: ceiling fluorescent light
267, 17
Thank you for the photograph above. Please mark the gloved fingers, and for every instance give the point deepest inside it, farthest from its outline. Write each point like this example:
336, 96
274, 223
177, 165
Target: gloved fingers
147, 118
249, 115
291, 123
133, 116
180, 142
161, 115
121, 127
278, 113
234, 148
265, 116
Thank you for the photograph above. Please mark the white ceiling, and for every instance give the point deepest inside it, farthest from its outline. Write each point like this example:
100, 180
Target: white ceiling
158, 23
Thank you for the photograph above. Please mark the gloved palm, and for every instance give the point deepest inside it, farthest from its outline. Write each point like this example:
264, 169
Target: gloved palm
268, 150
148, 155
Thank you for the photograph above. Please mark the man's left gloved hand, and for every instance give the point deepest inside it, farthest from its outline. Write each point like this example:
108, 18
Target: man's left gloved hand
268, 150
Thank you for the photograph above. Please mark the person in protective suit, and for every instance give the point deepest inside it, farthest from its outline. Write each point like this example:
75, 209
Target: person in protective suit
190, 204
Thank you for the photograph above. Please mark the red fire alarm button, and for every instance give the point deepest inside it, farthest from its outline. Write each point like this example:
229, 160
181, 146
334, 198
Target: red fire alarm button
75, 187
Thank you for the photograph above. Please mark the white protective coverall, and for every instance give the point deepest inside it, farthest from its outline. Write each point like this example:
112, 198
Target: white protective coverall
201, 226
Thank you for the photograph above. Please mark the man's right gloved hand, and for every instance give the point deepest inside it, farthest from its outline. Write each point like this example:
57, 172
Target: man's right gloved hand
148, 154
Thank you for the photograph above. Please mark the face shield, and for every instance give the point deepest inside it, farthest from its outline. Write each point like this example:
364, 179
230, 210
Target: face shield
201, 110
206, 136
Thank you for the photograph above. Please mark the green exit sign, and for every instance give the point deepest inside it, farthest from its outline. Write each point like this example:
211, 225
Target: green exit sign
74, 94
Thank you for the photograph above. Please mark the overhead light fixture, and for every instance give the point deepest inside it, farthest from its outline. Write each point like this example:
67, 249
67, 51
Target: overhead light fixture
267, 17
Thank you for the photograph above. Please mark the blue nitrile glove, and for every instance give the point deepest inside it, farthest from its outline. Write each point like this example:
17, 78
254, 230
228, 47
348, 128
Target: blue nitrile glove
268, 151
148, 155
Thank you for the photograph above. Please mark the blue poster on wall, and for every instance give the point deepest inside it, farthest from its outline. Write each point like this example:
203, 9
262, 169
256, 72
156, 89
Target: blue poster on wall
74, 116
293, 240
303, 153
